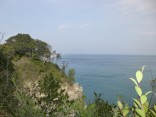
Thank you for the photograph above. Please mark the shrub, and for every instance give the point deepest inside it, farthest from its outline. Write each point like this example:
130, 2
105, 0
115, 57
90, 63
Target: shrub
49, 96
141, 107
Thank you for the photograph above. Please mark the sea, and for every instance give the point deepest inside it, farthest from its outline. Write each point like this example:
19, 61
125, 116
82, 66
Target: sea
109, 75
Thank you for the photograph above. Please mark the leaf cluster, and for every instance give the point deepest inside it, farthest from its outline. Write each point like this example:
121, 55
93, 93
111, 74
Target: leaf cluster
141, 107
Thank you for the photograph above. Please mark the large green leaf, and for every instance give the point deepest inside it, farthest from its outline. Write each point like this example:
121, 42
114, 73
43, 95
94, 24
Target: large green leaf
154, 113
143, 99
138, 90
135, 82
140, 112
155, 107
139, 76
119, 104
125, 112
148, 93
145, 108
147, 103
126, 107
137, 102
136, 106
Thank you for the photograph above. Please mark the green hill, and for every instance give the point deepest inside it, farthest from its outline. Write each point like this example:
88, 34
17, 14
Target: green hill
29, 78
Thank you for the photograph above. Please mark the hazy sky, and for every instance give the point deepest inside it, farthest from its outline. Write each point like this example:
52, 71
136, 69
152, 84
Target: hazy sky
84, 26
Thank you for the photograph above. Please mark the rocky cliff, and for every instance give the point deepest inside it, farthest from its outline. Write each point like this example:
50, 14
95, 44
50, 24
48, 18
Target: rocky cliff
74, 91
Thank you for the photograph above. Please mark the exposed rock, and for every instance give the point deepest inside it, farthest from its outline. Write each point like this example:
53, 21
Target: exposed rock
74, 90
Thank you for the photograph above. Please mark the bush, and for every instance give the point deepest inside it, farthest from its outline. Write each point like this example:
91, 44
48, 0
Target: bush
49, 96
141, 107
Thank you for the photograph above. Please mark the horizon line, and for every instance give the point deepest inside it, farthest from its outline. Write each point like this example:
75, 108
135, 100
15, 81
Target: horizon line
108, 54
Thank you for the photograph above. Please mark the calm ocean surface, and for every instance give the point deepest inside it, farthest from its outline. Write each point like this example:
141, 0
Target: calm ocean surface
109, 74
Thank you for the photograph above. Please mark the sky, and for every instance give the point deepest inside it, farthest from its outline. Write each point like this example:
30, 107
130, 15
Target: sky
84, 26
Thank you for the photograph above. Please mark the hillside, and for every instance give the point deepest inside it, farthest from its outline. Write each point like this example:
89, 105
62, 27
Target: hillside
30, 71
29, 78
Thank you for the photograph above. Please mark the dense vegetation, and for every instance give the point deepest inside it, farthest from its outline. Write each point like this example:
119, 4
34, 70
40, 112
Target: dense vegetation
25, 62
30, 85
23, 45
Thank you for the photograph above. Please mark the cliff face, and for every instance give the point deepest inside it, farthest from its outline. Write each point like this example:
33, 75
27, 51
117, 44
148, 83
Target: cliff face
74, 91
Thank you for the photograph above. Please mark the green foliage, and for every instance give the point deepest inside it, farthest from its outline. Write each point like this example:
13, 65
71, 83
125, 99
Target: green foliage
139, 76
42, 50
29, 70
64, 66
71, 74
98, 108
6, 86
102, 108
20, 44
50, 97
83, 110
24, 45
141, 107
5, 63
28, 60
153, 85
26, 106
58, 56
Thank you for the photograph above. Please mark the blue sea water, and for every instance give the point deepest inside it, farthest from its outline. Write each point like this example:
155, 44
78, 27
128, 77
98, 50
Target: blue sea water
109, 74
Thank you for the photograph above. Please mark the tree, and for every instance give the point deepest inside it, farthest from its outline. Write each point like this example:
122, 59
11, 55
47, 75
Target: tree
71, 74
42, 50
20, 44
64, 66
50, 97
103, 108
58, 56
24, 45
6, 86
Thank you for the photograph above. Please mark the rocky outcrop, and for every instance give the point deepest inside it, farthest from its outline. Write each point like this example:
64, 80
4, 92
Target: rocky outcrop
74, 91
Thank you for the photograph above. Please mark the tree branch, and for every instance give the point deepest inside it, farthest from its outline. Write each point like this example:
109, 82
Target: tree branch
2, 36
